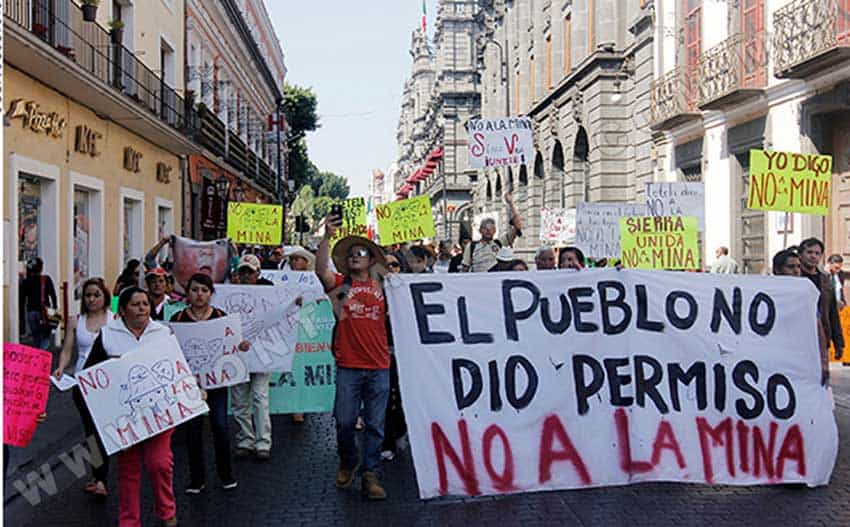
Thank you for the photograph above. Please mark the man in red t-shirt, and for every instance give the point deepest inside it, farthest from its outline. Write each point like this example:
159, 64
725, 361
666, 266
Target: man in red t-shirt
361, 350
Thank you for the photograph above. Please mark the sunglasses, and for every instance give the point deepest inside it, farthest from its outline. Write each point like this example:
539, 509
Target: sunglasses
393, 264
363, 253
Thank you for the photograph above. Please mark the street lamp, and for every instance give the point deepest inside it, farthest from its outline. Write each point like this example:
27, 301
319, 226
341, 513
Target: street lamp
279, 179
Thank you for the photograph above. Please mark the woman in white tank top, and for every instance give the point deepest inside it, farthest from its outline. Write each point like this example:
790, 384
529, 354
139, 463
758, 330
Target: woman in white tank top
81, 334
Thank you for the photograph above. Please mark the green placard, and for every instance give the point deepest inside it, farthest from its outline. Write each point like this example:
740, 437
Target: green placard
254, 224
789, 182
660, 242
405, 220
353, 220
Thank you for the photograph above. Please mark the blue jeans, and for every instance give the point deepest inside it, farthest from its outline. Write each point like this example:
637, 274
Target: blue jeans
40, 333
372, 389
217, 402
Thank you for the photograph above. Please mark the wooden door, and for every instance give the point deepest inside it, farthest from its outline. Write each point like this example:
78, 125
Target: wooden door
837, 228
693, 47
753, 65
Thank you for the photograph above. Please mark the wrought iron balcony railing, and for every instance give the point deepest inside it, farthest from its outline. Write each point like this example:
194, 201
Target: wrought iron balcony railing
672, 100
60, 24
734, 70
810, 35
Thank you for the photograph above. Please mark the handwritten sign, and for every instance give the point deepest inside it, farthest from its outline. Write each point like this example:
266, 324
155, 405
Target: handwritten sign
254, 224
25, 389
211, 348
557, 226
598, 227
523, 382
141, 394
500, 142
405, 220
659, 242
678, 198
298, 284
353, 220
790, 182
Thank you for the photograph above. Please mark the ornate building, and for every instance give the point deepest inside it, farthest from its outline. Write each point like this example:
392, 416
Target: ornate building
440, 96
581, 69
738, 75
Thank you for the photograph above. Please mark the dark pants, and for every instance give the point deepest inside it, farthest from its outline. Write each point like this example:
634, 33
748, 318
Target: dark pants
100, 473
217, 401
395, 427
371, 388
39, 331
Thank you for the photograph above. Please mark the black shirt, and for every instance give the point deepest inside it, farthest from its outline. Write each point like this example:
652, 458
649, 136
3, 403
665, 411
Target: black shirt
814, 278
30, 293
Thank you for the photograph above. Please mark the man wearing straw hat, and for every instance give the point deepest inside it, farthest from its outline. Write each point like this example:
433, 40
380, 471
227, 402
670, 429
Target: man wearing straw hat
361, 350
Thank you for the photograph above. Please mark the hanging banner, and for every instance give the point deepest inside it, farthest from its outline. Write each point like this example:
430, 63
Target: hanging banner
500, 142
353, 220
269, 322
191, 256
405, 220
25, 389
662, 242
790, 182
557, 226
254, 223
211, 348
598, 227
310, 387
524, 382
677, 199
141, 394
298, 284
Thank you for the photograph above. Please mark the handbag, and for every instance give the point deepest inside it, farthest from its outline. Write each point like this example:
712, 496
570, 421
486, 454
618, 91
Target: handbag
50, 318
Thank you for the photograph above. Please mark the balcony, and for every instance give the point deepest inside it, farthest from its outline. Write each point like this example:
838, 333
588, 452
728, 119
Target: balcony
53, 43
673, 100
810, 36
732, 72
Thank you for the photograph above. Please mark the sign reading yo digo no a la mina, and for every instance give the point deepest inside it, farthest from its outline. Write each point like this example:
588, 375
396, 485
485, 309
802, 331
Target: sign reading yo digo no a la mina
660, 242
254, 223
543, 381
405, 220
790, 182
500, 142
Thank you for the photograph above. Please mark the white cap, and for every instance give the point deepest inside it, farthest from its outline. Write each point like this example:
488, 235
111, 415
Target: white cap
506, 254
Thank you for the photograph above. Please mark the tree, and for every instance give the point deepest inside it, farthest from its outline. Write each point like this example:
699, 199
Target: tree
333, 186
300, 104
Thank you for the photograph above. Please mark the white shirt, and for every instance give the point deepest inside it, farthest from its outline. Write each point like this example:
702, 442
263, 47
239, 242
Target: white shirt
118, 340
84, 339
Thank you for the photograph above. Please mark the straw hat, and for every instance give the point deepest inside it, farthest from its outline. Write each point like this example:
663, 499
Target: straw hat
297, 250
340, 251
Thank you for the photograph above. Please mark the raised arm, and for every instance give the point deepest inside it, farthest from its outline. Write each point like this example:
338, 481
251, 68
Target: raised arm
323, 254
514, 213
150, 257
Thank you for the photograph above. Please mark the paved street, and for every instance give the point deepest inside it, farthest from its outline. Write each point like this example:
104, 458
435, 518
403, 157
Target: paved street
297, 488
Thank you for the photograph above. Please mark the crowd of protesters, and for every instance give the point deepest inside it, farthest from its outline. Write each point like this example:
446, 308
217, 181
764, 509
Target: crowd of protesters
368, 397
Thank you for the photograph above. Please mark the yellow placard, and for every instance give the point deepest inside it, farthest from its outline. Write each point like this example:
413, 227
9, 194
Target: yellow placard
353, 220
659, 242
254, 223
789, 182
405, 220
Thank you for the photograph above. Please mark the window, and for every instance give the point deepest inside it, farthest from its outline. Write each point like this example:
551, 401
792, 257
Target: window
29, 214
164, 223
568, 28
693, 46
591, 26
548, 62
753, 51
132, 232
85, 242
82, 239
532, 88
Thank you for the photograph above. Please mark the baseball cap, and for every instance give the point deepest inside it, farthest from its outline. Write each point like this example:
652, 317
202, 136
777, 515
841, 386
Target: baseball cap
156, 271
250, 261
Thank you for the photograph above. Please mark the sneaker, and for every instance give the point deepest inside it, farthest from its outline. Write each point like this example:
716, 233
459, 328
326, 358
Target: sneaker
387, 455
229, 484
344, 477
264, 455
371, 487
195, 488
360, 424
244, 452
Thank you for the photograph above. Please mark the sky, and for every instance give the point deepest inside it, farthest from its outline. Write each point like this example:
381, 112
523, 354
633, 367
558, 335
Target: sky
355, 56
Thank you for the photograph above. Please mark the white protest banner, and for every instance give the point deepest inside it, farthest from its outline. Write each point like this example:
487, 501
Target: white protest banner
598, 227
678, 198
500, 142
304, 284
141, 394
269, 322
517, 382
211, 348
557, 226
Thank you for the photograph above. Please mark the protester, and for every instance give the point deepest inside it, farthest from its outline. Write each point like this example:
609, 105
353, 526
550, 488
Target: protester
506, 261
787, 263
274, 261
456, 264
361, 349
837, 276
38, 296
393, 265
811, 252
724, 264
80, 335
444, 257
133, 329
199, 291
300, 259
129, 277
544, 259
480, 256
157, 284
419, 258
152, 256
250, 400
571, 258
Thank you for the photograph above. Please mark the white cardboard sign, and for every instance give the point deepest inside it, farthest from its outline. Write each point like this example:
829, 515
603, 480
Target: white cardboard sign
557, 226
211, 348
500, 142
598, 227
678, 198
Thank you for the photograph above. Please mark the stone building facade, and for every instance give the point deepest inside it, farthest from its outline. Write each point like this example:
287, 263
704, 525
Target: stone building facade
581, 69
738, 75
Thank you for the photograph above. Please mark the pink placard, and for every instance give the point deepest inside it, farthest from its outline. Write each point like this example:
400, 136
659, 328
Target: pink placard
26, 384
